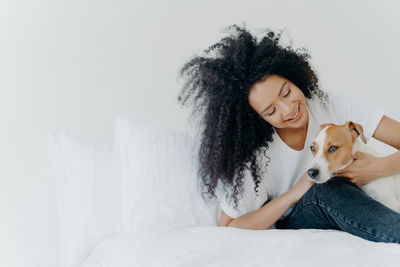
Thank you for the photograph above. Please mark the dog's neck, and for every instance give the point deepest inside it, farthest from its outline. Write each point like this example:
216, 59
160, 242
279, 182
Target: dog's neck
358, 145
344, 166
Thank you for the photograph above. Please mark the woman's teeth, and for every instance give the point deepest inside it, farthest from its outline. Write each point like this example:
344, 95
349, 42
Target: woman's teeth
297, 113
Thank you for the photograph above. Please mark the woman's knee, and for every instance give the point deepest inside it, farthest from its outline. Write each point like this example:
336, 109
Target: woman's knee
334, 188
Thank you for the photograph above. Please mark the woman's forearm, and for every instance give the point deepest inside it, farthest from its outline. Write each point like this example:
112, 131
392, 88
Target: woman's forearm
391, 164
266, 216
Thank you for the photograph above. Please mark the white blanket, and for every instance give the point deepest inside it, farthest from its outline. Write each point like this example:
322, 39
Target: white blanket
227, 246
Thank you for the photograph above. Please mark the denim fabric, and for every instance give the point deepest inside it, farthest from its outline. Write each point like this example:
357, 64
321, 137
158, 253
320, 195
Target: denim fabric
340, 204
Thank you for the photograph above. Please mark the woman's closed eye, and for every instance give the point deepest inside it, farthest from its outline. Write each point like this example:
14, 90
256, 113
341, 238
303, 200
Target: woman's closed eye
283, 96
287, 93
271, 112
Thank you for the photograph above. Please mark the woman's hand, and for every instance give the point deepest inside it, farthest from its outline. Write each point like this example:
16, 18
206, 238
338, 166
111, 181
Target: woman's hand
301, 187
363, 169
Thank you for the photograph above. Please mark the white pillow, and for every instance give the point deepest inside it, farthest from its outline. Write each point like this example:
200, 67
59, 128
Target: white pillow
160, 187
87, 192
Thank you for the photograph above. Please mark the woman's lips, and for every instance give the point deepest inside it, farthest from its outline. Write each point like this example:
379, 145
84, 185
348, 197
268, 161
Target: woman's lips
298, 115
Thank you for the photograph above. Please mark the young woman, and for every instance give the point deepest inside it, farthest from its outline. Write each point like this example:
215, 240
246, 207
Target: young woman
260, 107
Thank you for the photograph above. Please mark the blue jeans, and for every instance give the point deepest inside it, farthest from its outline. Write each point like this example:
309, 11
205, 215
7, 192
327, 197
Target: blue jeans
340, 204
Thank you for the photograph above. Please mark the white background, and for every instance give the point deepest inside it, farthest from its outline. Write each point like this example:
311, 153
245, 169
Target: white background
77, 65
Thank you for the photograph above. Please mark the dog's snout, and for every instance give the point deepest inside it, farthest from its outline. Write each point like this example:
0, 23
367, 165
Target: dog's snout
313, 173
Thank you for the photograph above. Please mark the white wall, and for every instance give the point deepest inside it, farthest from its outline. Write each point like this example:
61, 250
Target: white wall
76, 65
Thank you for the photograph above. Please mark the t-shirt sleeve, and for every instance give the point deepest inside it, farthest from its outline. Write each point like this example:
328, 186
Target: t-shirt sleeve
247, 201
349, 107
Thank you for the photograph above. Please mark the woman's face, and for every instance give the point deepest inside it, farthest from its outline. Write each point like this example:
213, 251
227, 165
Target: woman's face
277, 101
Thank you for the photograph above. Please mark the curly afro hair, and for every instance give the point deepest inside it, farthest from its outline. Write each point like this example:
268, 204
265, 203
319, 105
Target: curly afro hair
232, 133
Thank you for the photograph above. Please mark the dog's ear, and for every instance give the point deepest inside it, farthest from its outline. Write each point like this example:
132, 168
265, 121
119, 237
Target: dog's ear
356, 130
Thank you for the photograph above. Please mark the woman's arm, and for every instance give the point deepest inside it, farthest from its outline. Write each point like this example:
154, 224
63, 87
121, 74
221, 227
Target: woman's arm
388, 132
366, 167
266, 216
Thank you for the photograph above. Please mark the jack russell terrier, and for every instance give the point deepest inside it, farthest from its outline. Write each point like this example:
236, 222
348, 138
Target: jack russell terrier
332, 149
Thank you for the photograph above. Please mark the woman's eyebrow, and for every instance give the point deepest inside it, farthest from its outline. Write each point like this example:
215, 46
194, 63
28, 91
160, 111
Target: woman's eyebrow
280, 92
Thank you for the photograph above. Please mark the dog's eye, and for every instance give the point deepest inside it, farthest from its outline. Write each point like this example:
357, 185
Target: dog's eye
312, 148
333, 148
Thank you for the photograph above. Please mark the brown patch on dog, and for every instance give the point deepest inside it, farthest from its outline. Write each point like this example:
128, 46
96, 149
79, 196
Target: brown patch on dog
342, 138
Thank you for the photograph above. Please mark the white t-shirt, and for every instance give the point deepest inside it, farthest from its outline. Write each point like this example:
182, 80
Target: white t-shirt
286, 165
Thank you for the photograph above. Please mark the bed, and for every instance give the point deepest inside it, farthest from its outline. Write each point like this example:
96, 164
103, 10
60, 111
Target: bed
135, 201
227, 246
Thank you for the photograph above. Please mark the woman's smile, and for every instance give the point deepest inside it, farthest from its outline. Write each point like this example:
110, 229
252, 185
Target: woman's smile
297, 116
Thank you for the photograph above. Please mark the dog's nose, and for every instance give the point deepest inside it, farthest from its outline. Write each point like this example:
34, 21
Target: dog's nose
313, 173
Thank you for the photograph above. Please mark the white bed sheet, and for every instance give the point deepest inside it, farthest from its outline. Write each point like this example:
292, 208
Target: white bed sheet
227, 246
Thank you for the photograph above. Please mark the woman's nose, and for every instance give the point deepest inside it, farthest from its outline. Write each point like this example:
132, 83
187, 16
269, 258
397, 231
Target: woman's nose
286, 110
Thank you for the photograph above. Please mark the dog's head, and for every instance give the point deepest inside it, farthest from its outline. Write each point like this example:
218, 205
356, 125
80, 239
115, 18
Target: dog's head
332, 148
